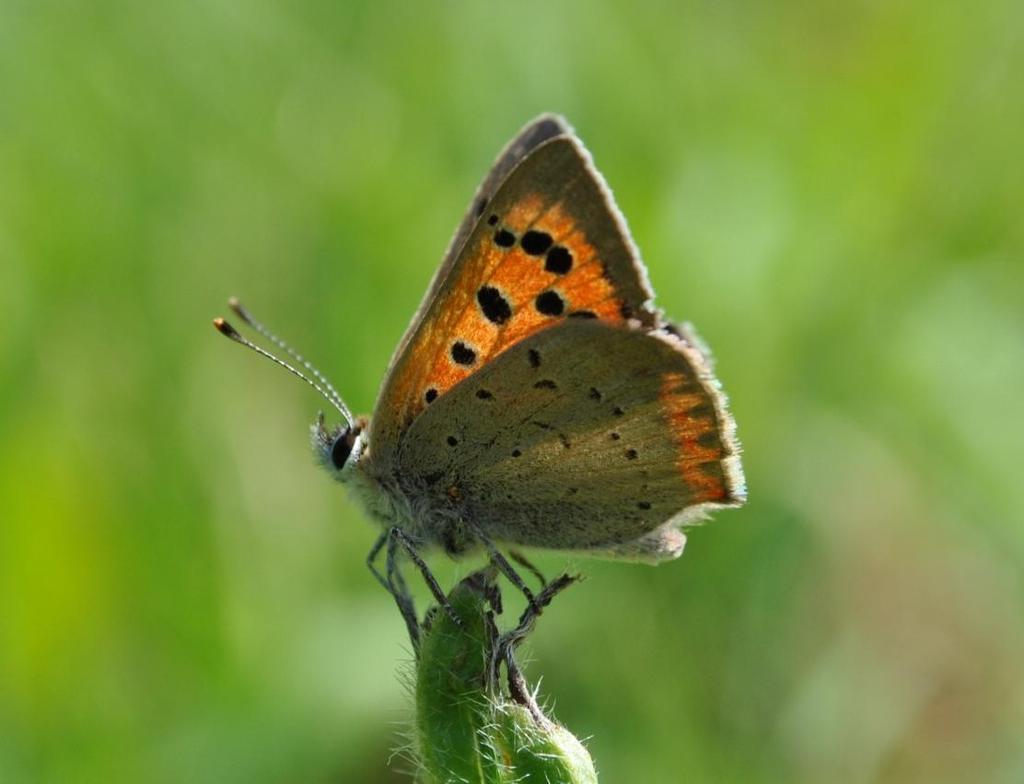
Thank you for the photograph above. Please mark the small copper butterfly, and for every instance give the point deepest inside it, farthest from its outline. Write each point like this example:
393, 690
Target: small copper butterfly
538, 398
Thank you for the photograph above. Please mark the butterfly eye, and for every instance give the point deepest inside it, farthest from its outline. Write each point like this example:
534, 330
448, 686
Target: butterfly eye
342, 447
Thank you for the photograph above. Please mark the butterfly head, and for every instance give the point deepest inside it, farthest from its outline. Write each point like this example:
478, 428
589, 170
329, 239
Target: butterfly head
339, 448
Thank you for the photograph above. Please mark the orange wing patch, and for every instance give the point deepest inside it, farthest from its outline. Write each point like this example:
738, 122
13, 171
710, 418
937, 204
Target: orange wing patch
532, 267
693, 421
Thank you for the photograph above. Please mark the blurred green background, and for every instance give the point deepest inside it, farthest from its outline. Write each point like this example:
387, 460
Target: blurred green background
832, 193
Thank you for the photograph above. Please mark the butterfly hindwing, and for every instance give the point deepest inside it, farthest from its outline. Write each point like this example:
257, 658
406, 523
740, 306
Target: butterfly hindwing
548, 247
583, 436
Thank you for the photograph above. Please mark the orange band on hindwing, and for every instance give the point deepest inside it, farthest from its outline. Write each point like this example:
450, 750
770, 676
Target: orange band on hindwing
692, 418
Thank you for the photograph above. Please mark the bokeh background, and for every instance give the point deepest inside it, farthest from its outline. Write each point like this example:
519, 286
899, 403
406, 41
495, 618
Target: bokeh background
833, 193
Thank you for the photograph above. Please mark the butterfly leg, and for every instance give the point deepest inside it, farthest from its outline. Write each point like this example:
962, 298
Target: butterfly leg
371, 560
501, 562
395, 585
399, 537
510, 640
522, 560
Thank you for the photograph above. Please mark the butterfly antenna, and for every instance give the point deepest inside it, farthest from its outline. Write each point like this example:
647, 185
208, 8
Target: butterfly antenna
243, 313
229, 331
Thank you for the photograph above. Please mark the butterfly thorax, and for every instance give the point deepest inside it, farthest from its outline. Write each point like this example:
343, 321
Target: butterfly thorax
396, 499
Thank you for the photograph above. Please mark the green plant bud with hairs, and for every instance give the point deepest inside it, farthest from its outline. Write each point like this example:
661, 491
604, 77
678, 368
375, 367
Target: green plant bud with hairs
468, 728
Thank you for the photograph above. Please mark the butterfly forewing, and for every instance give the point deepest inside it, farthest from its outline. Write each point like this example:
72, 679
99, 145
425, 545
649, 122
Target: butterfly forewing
547, 248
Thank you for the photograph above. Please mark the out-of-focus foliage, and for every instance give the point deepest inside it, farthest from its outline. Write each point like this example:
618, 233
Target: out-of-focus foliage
833, 193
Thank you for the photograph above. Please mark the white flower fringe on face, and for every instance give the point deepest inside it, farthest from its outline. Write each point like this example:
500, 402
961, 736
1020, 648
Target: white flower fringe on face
468, 728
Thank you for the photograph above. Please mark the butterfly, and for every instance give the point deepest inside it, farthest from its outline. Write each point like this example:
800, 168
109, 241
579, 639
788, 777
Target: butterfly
537, 399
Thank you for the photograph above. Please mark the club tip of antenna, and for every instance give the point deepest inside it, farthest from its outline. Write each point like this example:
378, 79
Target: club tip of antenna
239, 309
226, 329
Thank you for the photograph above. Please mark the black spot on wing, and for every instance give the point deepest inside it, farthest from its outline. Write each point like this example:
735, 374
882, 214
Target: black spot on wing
559, 260
549, 303
534, 356
462, 354
495, 307
430, 395
503, 238
535, 242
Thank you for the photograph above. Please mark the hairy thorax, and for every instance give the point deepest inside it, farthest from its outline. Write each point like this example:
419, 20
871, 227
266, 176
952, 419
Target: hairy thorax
388, 500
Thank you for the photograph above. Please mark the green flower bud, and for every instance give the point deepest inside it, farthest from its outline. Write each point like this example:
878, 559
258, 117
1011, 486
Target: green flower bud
468, 729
